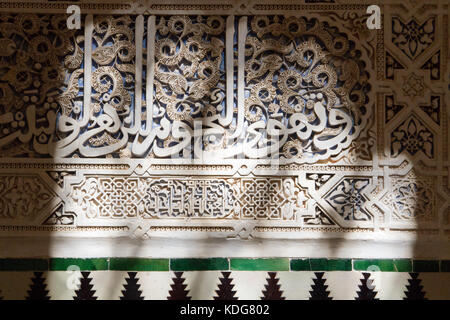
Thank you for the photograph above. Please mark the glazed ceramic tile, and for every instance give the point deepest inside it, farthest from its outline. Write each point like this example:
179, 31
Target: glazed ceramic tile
249, 284
295, 285
343, 285
155, 285
109, 284
202, 285
390, 285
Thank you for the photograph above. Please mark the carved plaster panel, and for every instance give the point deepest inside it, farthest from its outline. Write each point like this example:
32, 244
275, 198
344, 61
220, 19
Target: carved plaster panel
232, 120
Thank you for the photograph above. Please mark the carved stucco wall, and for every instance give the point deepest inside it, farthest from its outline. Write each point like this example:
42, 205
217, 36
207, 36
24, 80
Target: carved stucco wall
241, 120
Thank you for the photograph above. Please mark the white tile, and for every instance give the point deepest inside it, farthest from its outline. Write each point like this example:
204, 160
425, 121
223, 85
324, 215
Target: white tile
61, 284
343, 285
249, 284
155, 285
109, 284
202, 284
390, 285
295, 284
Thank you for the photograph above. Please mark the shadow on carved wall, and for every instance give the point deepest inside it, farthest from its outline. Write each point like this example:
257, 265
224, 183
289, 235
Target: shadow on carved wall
259, 87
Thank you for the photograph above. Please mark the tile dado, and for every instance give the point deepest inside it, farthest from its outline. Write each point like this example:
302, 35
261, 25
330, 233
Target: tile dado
223, 285
223, 279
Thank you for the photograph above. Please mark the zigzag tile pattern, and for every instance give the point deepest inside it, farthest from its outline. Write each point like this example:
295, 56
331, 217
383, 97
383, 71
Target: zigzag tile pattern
216, 285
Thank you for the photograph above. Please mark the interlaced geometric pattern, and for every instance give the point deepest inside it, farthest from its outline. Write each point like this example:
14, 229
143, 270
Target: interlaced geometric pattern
148, 198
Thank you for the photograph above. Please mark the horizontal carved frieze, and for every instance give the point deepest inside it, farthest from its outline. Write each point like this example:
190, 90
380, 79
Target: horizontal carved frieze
169, 198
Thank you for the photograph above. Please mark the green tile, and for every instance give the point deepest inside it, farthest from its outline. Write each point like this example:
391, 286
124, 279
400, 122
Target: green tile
331, 264
199, 264
62, 264
426, 265
445, 266
23, 264
403, 265
374, 265
138, 264
271, 264
340, 265
300, 265
319, 264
